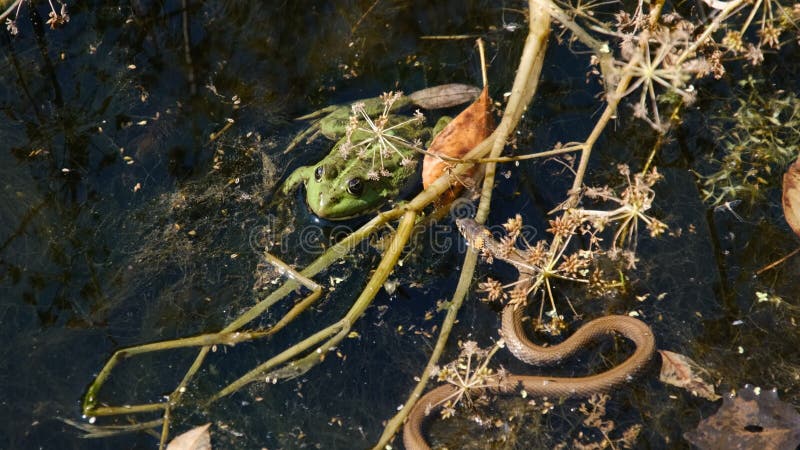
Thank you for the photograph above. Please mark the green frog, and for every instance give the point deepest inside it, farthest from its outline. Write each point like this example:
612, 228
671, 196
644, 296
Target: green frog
373, 160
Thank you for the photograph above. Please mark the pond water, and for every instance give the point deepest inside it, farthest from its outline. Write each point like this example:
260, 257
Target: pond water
125, 222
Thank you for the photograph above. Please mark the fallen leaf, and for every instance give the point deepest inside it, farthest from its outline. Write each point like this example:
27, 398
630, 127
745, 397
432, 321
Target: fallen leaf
444, 96
751, 420
197, 438
467, 130
791, 196
679, 370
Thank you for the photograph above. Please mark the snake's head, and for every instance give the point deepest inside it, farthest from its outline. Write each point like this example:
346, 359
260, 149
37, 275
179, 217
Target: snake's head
474, 233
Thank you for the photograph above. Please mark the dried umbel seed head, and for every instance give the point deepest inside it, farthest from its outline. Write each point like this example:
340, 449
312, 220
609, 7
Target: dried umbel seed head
493, 290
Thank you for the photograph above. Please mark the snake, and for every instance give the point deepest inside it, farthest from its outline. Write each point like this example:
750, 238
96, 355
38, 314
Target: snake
523, 349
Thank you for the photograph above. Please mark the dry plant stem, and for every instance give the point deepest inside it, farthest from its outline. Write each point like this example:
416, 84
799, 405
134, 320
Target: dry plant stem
363, 16
93, 431
543, 154
504, 159
316, 291
655, 12
231, 337
11, 8
524, 87
449, 37
602, 51
337, 331
214, 136
464, 281
723, 15
600, 48
612, 98
608, 114
162, 442
187, 54
749, 20
673, 118
778, 262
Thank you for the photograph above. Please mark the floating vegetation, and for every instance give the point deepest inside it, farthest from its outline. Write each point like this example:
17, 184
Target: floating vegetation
594, 411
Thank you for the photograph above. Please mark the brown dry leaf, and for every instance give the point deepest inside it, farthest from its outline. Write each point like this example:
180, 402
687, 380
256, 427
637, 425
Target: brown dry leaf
751, 420
197, 438
467, 130
791, 196
679, 370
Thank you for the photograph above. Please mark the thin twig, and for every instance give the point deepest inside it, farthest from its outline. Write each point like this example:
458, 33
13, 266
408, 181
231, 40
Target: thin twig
187, 54
778, 262
14, 6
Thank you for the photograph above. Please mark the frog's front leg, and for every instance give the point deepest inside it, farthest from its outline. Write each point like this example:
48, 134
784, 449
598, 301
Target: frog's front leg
298, 177
332, 121
334, 125
326, 121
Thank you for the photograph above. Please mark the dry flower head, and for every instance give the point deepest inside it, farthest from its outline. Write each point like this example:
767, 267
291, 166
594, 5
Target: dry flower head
376, 139
470, 374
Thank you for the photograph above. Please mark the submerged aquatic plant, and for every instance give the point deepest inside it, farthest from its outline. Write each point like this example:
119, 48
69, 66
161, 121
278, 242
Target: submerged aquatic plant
761, 140
594, 411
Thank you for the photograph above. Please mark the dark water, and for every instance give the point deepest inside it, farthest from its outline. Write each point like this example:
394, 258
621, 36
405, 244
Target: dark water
124, 223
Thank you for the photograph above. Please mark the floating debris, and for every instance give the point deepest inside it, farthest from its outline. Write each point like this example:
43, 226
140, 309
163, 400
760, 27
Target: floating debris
751, 419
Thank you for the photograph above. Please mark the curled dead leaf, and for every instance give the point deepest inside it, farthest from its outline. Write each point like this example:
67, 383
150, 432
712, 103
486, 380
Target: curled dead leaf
679, 370
467, 130
791, 196
753, 419
197, 438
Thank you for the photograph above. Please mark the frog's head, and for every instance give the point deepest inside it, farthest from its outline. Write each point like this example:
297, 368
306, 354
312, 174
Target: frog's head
337, 189
354, 182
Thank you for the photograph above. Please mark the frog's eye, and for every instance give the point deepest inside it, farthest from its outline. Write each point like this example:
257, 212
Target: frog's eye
355, 186
327, 173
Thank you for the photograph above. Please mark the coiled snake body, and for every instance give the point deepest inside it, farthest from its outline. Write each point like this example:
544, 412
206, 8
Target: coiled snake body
525, 350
